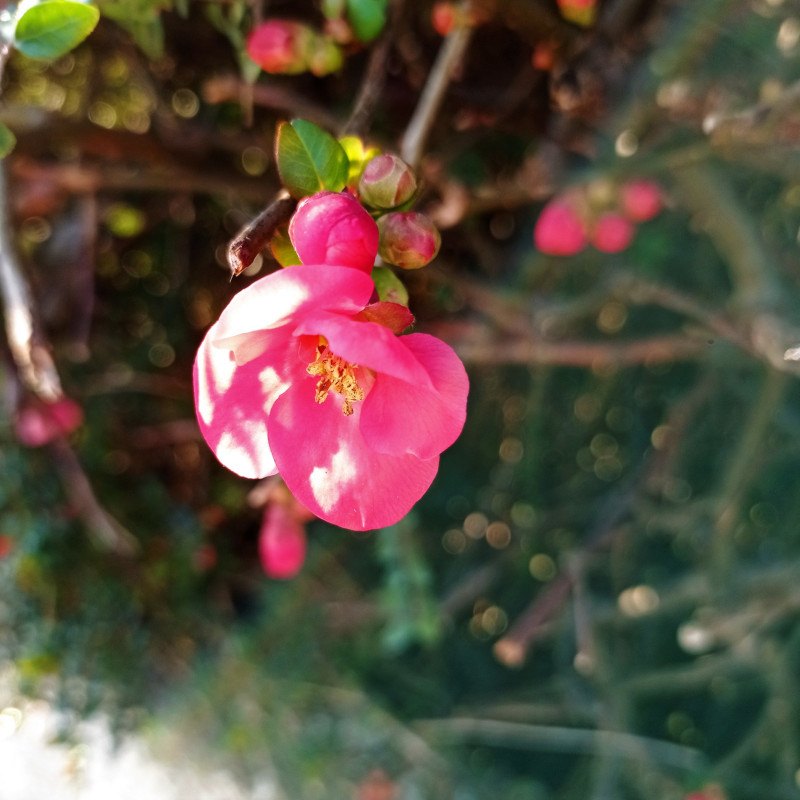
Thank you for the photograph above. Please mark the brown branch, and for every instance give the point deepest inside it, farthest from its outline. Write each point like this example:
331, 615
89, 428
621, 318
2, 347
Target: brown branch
106, 530
30, 352
653, 350
230, 88
255, 236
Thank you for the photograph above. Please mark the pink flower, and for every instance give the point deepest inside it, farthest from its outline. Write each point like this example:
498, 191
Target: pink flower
38, 423
295, 378
281, 46
641, 200
281, 542
559, 230
612, 233
334, 228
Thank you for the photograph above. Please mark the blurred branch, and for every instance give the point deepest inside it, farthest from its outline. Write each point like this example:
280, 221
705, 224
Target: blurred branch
231, 89
374, 80
28, 349
448, 60
102, 526
551, 738
711, 199
743, 467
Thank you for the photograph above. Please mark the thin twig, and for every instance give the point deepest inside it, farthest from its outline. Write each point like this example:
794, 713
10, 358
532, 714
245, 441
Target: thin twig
255, 236
106, 530
450, 54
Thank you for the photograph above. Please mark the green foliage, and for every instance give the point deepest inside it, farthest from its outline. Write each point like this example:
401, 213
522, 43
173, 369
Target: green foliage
50, 29
309, 160
367, 18
7, 140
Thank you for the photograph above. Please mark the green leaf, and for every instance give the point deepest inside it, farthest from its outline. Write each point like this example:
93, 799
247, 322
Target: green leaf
389, 287
281, 248
309, 160
50, 29
7, 141
367, 18
142, 20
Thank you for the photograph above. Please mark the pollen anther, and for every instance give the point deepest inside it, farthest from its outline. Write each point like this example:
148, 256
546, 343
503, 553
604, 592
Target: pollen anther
337, 374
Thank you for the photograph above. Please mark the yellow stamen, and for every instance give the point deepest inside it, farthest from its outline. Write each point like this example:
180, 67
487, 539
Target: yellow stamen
337, 374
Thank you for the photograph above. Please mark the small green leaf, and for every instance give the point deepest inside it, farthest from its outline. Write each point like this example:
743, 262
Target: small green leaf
7, 141
50, 29
309, 160
367, 18
389, 287
281, 248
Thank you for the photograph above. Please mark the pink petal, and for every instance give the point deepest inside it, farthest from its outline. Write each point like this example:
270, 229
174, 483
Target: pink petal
281, 543
402, 417
232, 402
366, 344
273, 301
332, 471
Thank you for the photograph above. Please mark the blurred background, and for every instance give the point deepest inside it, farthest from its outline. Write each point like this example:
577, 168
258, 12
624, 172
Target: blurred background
598, 598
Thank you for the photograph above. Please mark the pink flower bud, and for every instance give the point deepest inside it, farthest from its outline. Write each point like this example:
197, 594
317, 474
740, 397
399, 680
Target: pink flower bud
612, 233
334, 228
387, 182
409, 240
38, 423
641, 200
281, 46
559, 230
281, 542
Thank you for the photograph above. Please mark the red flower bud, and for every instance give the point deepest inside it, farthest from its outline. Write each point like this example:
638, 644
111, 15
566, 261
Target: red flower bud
640, 200
282, 46
612, 233
559, 230
387, 182
334, 228
408, 239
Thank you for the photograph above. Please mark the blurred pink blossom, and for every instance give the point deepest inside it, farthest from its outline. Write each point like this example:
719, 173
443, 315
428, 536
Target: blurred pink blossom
612, 233
641, 200
281, 542
281, 46
38, 422
559, 230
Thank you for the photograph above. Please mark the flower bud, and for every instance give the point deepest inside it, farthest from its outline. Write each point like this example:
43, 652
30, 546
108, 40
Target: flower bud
281, 542
559, 230
282, 46
326, 57
387, 182
334, 228
38, 423
581, 12
612, 233
409, 240
640, 200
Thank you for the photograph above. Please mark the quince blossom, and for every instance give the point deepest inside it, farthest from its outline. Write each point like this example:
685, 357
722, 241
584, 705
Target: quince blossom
299, 376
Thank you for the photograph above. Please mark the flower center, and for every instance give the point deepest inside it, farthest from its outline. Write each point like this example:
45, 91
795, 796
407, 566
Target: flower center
337, 374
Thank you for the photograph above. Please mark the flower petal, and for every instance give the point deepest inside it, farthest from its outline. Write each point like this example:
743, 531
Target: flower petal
232, 402
273, 301
402, 417
331, 470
